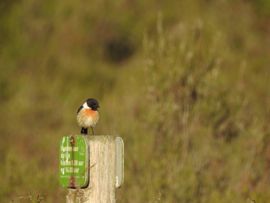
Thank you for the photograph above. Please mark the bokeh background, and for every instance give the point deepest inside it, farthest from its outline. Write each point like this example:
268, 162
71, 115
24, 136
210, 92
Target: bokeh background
185, 83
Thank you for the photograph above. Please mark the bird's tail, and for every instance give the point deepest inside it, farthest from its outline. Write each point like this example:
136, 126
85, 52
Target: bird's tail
84, 131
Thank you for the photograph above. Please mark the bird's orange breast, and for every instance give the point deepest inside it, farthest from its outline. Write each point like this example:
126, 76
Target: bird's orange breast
90, 112
87, 118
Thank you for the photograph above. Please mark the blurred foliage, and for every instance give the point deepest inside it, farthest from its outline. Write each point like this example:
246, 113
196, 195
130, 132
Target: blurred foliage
263, 7
185, 83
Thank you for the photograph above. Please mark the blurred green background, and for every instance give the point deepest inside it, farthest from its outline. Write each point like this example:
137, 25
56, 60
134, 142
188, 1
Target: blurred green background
185, 83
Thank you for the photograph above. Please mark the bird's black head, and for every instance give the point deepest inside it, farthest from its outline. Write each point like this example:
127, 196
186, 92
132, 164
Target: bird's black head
92, 103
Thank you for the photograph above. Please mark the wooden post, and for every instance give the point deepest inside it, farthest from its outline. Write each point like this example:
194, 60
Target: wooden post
102, 184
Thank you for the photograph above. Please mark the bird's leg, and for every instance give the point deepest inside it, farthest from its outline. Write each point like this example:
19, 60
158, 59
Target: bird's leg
93, 132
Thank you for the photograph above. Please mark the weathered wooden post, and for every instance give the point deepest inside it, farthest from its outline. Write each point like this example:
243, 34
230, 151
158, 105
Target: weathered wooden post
105, 171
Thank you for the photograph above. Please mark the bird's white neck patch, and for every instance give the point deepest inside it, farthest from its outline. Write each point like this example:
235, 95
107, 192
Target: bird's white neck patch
85, 106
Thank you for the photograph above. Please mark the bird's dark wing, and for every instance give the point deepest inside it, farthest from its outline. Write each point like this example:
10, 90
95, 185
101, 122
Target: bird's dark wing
79, 109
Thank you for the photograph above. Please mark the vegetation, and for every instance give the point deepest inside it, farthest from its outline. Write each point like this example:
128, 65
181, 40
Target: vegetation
185, 83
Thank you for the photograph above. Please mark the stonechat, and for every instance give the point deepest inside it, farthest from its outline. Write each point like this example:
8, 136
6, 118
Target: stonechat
88, 116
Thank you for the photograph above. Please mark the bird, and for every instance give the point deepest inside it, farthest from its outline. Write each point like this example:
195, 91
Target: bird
88, 115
